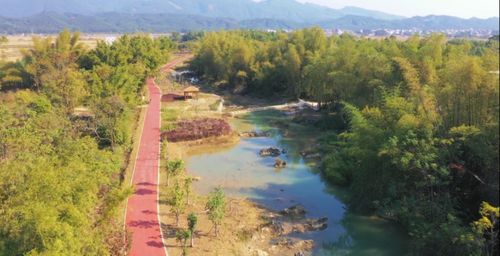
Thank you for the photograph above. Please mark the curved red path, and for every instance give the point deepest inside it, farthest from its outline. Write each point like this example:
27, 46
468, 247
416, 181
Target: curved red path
142, 217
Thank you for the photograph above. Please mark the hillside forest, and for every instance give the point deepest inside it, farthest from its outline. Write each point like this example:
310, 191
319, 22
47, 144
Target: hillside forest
61, 172
410, 127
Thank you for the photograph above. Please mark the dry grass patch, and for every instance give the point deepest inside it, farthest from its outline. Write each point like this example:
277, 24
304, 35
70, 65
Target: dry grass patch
12, 50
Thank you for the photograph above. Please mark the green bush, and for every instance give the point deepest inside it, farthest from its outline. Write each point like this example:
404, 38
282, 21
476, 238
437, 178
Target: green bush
169, 115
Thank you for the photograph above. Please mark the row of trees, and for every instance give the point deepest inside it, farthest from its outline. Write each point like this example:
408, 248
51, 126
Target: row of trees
60, 185
179, 200
422, 119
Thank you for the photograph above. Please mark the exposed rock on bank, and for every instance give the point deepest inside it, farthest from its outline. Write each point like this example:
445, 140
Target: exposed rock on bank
255, 134
296, 211
285, 227
299, 245
292, 220
310, 154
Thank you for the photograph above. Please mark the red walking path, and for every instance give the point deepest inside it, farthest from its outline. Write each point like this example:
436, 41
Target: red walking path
142, 215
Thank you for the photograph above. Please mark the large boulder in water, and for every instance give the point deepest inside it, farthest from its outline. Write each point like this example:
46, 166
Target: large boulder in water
279, 163
272, 151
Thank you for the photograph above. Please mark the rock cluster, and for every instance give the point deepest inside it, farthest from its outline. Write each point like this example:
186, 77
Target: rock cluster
296, 211
310, 225
282, 227
272, 151
300, 245
292, 220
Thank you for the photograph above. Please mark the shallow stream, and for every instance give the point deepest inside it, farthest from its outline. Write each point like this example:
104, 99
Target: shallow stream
243, 173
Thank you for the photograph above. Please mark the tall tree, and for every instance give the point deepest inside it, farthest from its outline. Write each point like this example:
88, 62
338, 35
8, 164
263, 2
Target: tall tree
177, 202
53, 68
216, 207
192, 223
173, 169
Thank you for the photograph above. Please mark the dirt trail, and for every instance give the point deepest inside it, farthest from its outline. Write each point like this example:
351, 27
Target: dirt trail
299, 104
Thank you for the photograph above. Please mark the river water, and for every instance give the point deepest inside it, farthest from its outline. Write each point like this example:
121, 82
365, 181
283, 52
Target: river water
243, 173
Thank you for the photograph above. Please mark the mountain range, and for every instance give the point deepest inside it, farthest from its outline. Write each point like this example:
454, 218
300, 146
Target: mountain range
50, 22
290, 10
49, 16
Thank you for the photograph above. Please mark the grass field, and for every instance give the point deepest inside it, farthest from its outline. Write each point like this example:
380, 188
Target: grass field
12, 50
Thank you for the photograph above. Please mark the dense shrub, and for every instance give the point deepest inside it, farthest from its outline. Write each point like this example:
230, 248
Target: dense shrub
189, 130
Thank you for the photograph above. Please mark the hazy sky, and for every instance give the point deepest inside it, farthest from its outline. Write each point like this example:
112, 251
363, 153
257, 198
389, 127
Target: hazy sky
460, 8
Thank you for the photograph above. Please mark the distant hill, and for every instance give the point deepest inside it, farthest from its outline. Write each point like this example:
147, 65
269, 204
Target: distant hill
448, 22
51, 22
289, 10
356, 11
432, 22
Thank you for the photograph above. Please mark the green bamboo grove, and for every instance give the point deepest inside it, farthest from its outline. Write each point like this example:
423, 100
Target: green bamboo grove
61, 174
416, 134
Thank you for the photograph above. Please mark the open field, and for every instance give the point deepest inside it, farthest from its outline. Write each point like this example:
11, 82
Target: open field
12, 50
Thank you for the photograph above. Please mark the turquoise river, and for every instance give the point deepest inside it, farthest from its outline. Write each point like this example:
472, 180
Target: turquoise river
243, 173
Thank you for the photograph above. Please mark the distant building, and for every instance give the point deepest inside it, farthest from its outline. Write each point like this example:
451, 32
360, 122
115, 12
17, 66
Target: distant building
382, 32
110, 39
338, 31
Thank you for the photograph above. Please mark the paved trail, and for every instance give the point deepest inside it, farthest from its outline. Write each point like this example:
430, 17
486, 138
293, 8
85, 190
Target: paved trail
142, 209
142, 215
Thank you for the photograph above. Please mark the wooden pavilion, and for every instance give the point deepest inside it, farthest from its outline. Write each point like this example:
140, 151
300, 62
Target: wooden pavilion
191, 92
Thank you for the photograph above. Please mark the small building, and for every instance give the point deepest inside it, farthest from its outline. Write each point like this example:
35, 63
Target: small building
191, 92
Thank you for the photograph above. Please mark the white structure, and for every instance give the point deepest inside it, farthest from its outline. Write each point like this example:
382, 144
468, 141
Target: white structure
110, 39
